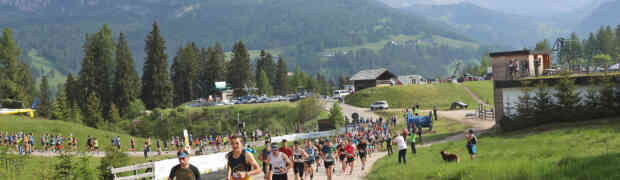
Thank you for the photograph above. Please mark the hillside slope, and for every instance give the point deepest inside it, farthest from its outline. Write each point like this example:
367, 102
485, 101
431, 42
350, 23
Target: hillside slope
442, 95
606, 14
491, 26
56, 28
586, 150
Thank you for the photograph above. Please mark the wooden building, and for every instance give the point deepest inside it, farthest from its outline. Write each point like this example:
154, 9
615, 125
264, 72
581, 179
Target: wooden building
373, 78
513, 65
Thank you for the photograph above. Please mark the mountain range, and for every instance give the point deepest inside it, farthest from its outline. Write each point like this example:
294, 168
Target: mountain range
305, 33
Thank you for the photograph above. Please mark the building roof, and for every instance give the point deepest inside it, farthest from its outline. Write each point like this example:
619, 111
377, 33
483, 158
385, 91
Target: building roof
516, 53
368, 74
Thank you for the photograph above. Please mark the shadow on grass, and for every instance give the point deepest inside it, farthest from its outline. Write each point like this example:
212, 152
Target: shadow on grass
605, 166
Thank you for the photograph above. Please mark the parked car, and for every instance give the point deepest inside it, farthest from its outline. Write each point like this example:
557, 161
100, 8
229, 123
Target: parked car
294, 98
379, 105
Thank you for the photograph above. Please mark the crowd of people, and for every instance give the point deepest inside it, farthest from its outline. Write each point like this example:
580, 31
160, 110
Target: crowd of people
342, 154
24, 143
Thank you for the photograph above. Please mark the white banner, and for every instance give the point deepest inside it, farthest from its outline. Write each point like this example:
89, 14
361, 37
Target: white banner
215, 162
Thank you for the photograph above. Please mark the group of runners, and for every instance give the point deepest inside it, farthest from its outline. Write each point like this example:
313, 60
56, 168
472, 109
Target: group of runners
24, 143
342, 155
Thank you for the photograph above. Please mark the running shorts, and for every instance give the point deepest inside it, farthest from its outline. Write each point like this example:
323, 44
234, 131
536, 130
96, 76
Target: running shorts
350, 159
328, 164
310, 162
298, 168
471, 148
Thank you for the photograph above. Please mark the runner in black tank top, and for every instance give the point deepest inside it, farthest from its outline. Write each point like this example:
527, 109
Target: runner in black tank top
241, 165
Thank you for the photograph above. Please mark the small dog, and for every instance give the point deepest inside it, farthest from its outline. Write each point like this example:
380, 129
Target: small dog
449, 157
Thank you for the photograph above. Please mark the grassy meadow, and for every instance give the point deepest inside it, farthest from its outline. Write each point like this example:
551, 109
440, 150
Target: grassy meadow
587, 150
482, 89
426, 95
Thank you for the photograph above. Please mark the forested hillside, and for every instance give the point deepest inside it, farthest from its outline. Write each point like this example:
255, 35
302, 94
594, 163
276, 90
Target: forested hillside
300, 29
491, 26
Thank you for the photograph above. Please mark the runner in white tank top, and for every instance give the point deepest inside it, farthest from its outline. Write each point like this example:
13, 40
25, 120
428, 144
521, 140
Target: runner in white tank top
279, 164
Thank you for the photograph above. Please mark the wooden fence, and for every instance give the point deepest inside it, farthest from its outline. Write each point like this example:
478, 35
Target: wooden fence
150, 166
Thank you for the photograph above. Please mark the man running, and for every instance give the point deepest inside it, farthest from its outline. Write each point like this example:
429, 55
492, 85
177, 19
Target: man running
311, 151
285, 149
363, 151
299, 160
264, 157
279, 164
341, 156
241, 164
328, 153
184, 171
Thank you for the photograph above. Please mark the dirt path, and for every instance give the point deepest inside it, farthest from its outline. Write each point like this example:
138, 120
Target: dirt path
473, 95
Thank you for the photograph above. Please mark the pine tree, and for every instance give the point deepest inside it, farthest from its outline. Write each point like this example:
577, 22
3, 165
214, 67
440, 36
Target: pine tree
75, 114
113, 115
543, 46
281, 86
617, 44
298, 79
214, 69
567, 97
156, 85
127, 88
15, 77
576, 49
62, 110
70, 90
93, 111
260, 66
184, 73
265, 86
590, 48
86, 82
45, 102
239, 69
270, 68
605, 38
102, 49
542, 101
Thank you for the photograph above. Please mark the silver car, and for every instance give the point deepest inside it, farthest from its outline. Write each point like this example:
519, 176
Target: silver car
379, 105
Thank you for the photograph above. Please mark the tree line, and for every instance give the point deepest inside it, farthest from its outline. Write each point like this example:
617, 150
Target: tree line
108, 88
563, 102
600, 49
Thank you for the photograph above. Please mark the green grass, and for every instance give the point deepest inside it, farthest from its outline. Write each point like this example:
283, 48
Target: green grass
442, 95
45, 166
587, 150
256, 53
376, 46
482, 89
55, 127
442, 128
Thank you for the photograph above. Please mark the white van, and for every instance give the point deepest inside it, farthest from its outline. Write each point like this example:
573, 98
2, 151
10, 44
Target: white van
340, 93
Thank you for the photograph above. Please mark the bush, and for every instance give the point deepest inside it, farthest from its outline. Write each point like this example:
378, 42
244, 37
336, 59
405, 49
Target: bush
112, 158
